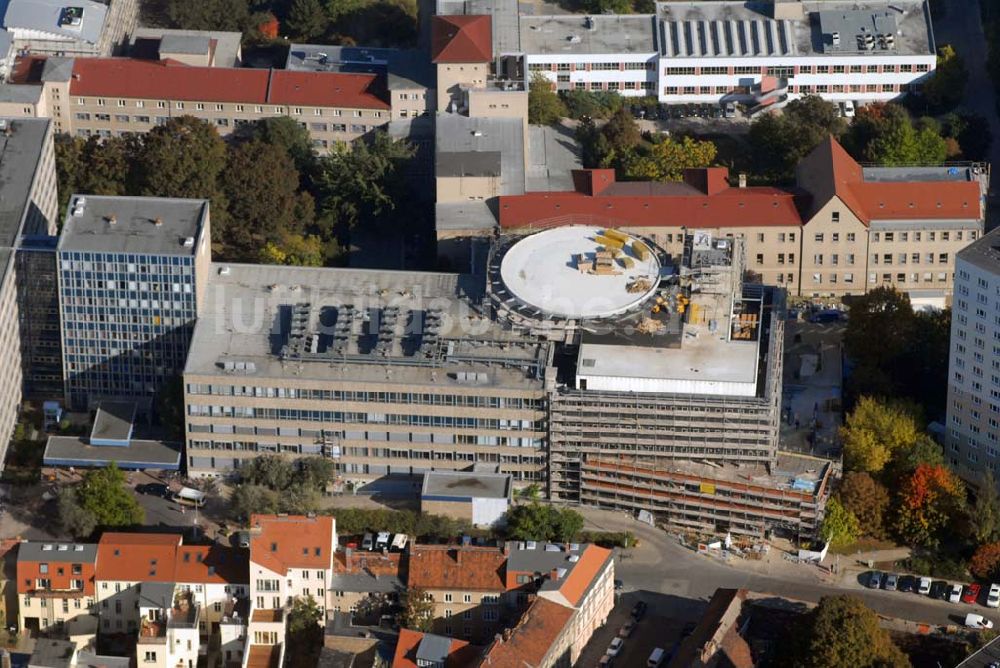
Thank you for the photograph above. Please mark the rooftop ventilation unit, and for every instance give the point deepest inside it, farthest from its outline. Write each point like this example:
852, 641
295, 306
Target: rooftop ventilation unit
188, 242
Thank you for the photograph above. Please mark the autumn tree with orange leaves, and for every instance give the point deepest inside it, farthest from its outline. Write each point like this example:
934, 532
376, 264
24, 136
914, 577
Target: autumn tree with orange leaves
927, 501
985, 563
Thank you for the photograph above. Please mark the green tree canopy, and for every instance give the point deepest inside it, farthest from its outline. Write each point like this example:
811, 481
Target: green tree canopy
884, 134
306, 19
842, 632
544, 105
290, 135
667, 159
248, 499
984, 512
590, 104
840, 526
100, 500
873, 432
622, 132
538, 521
946, 88
304, 633
779, 142
865, 498
230, 15
418, 610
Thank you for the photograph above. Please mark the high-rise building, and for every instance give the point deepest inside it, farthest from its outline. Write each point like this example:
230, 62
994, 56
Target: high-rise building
973, 426
131, 280
27, 207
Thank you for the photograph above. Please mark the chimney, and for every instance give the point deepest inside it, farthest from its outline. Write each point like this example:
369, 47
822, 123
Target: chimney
743, 179
458, 555
553, 575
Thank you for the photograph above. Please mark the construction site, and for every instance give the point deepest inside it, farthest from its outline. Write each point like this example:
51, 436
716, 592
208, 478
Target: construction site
666, 396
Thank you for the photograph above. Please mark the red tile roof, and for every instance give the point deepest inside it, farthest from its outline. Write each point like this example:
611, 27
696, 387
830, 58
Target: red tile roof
137, 557
830, 171
639, 204
459, 654
457, 568
59, 571
170, 80
263, 656
461, 39
591, 562
529, 642
281, 542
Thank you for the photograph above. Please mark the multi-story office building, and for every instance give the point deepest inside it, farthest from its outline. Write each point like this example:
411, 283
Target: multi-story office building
973, 426
386, 372
862, 227
132, 275
81, 28
27, 175
758, 54
38, 311
108, 97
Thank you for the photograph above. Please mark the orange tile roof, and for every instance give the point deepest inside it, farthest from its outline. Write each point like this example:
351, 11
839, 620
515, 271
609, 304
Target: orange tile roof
461, 653
457, 568
266, 615
170, 80
263, 656
579, 579
367, 562
214, 563
281, 542
529, 641
461, 39
137, 557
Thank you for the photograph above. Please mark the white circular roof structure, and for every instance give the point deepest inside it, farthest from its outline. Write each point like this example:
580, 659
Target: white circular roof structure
568, 272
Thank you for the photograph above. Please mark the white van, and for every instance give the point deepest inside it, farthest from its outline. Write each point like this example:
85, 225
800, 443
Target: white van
190, 497
974, 621
367, 542
656, 658
383, 540
398, 543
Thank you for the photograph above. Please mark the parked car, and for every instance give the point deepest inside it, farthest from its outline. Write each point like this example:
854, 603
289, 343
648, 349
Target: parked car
940, 589
924, 586
615, 648
993, 596
907, 584
971, 594
974, 621
639, 610
655, 659
241, 539
606, 661
849, 109
153, 489
382, 541
626, 630
955, 595
875, 580
730, 110
368, 542
890, 582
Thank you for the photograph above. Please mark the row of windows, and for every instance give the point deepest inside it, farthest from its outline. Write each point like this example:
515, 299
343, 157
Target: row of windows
239, 108
790, 70
366, 396
887, 258
609, 85
943, 235
350, 417
589, 67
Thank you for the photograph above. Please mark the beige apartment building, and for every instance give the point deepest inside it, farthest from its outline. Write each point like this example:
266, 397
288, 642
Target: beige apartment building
109, 97
845, 230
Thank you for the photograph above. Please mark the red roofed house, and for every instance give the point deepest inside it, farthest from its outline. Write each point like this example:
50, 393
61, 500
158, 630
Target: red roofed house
111, 96
415, 649
462, 50
291, 556
56, 587
843, 230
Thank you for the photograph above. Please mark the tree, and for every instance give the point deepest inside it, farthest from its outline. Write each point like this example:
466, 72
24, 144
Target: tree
667, 159
183, 158
984, 513
928, 501
72, 517
622, 132
316, 472
363, 181
69, 166
946, 87
873, 432
972, 131
842, 632
261, 184
866, 499
595, 149
228, 15
294, 249
304, 633
779, 142
306, 19
568, 526
537, 521
582, 104
544, 105
985, 562
250, 499
885, 134
840, 526
272, 471
291, 136
418, 610
103, 494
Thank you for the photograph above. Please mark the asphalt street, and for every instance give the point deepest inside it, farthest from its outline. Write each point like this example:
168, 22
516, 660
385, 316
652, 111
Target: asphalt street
678, 582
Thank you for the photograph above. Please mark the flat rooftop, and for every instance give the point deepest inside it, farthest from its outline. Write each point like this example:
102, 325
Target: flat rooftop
465, 485
593, 34
46, 16
748, 29
918, 174
226, 44
403, 68
356, 325
470, 147
20, 152
52, 653
557, 272
984, 253
143, 225
552, 157
140, 454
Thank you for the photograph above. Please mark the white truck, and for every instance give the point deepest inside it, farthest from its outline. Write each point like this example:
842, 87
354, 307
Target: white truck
189, 496
974, 621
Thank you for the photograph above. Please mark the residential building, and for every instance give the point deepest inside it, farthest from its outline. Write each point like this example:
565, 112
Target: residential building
291, 556
86, 28
386, 372
541, 638
466, 584
478, 497
973, 422
717, 639
168, 626
360, 577
132, 276
416, 649
56, 588
27, 175
858, 228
